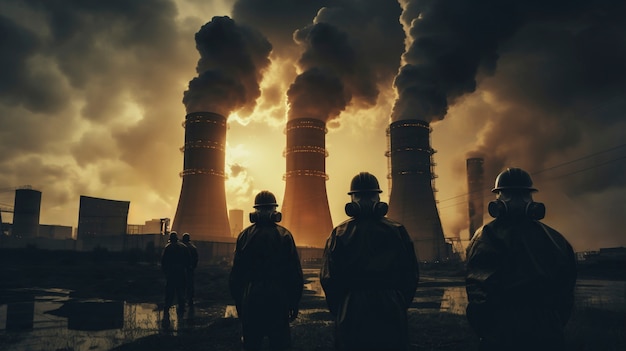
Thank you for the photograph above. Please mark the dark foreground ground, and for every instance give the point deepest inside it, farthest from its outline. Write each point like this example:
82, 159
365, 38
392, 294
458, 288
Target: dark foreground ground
134, 278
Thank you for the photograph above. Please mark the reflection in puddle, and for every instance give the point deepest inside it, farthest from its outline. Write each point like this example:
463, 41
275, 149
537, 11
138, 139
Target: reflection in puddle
50, 320
47, 319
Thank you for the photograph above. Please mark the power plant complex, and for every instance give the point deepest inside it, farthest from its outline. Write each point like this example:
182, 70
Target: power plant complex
202, 209
475, 189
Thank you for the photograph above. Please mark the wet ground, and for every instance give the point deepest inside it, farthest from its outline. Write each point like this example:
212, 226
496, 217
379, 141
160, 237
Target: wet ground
49, 319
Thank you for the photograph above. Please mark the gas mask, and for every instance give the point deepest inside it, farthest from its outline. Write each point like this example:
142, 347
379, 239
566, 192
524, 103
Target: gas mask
378, 209
272, 216
533, 210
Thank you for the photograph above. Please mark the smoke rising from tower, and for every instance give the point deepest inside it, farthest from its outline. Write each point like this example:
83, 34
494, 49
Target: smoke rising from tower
230, 68
475, 189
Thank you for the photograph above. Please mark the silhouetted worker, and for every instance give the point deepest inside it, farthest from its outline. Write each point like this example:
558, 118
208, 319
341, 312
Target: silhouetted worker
193, 264
266, 279
369, 273
174, 263
520, 272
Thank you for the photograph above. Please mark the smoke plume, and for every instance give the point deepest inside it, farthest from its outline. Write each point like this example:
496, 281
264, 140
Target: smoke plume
232, 60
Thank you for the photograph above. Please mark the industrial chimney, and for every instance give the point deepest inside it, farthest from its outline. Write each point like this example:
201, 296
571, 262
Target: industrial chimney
412, 199
202, 203
475, 194
305, 204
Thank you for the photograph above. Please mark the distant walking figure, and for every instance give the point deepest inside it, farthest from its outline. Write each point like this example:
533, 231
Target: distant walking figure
266, 279
520, 273
193, 264
369, 273
174, 263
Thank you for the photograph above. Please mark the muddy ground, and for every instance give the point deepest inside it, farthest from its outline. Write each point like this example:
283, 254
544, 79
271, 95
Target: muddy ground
134, 278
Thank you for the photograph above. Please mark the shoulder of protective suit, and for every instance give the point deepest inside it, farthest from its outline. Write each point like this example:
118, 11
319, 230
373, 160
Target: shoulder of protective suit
391, 222
282, 230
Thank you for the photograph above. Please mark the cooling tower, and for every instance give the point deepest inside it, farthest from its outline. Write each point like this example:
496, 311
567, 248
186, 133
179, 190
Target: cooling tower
305, 204
26, 210
475, 199
201, 209
412, 199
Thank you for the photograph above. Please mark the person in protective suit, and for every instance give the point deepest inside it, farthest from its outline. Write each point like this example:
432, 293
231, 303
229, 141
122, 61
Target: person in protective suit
266, 279
193, 264
369, 273
174, 263
520, 274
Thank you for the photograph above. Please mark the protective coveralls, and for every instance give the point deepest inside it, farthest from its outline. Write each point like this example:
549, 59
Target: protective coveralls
369, 276
174, 263
266, 282
193, 264
520, 284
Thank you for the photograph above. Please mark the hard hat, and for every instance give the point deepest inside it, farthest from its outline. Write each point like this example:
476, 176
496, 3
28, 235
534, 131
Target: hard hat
364, 182
173, 237
513, 179
264, 198
186, 237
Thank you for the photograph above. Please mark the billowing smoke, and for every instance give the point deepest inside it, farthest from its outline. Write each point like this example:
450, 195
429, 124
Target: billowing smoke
338, 53
232, 60
450, 42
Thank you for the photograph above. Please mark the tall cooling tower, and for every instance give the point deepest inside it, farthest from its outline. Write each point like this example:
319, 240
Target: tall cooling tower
201, 208
475, 176
305, 204
26, 210
412, 199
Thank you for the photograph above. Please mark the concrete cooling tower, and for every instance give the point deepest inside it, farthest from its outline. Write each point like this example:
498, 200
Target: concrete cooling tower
201, 207
412, 200
305, 204
475, 176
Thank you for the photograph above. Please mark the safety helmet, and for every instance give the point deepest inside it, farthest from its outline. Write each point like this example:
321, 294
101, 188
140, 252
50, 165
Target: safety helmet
264, 198
173, 237
513, 179
364, 182
186, 237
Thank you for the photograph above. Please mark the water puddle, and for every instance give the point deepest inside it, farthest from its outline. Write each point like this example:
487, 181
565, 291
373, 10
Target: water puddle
48, 319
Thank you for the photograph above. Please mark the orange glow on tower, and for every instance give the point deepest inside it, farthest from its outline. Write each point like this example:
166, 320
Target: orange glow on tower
305, 205
201, 207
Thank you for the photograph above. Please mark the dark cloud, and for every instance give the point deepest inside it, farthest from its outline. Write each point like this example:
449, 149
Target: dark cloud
277, 19
232, 60
317, 93
451, 42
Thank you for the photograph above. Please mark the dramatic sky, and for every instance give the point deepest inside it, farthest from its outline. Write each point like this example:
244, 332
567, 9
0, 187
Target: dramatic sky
91, 98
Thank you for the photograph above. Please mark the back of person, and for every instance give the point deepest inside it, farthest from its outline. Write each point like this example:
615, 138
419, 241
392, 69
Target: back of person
535, 280
369, 273
374, 261
266, 279
521, 273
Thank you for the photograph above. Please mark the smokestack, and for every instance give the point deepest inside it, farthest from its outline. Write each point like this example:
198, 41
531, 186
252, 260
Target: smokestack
305, 204
475, 194
412, 199
201, 208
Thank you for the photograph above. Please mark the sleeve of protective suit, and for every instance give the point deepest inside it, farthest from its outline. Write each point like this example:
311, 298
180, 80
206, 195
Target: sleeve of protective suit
296, 280
412, 271
236, 279
328, 277
482, 278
